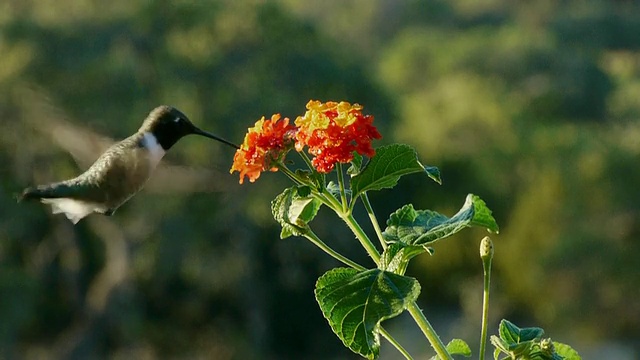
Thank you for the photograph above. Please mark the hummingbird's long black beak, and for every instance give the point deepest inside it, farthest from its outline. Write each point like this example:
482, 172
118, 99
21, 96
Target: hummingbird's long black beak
214, 137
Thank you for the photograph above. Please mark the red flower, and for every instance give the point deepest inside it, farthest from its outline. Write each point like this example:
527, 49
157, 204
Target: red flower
265, 143
333, 131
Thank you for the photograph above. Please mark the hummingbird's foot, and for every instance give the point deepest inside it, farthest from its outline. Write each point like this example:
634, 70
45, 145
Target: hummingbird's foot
110, 212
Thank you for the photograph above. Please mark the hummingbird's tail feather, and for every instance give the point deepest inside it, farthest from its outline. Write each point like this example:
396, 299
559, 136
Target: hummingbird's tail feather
30, 193
41, 192
62, 200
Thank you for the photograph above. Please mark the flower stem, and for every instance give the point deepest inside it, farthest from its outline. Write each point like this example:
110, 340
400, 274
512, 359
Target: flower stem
374, 220
290, 174
485, 314
311, 236
343, 195
428, 331
395, 343
486, 254
329, 200
361, 236
306, 160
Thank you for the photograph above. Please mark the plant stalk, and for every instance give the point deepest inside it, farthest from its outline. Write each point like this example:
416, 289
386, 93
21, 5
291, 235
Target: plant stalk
374, 220
290, 174
395, 343
343, 194
485, 313
307, 161
311, 236
361, 236
329, 200
428, 331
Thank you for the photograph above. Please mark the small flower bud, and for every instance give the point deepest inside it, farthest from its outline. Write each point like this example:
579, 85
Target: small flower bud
546, 346
486, 248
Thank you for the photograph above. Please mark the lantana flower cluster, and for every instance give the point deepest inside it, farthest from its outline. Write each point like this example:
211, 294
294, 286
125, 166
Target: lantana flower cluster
331, 131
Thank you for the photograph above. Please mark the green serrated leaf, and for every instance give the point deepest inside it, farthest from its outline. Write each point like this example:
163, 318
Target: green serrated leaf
434, 173
513, 334
386, 167
499, 343
482, 214
334, 189
528, 343
280, 210
420, 227
521, 348
530, 333
355, 302
396, 256
356, 165
509, 332
303, 210
456, 347
496, 354
566, 351
286, 232
294, 212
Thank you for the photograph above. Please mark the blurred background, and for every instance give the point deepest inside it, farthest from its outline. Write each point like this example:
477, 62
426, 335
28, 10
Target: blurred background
534, 106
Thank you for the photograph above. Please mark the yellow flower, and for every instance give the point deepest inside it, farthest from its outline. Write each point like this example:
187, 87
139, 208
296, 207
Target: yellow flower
333, 131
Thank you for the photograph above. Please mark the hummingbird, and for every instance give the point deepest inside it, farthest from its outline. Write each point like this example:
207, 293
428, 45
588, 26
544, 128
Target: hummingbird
121, 171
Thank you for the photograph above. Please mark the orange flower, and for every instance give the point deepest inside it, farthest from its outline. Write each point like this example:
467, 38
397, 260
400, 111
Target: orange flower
333, 131
265, 143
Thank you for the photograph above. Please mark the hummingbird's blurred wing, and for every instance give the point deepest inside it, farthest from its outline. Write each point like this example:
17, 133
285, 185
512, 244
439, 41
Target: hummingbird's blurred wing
83, 144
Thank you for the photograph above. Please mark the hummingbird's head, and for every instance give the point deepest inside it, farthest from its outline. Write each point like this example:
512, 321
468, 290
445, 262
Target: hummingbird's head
169, 125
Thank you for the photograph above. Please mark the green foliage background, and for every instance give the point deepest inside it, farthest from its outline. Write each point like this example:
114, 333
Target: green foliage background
532, 105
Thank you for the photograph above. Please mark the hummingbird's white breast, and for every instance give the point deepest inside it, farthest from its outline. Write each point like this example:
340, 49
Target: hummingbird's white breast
156, 152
